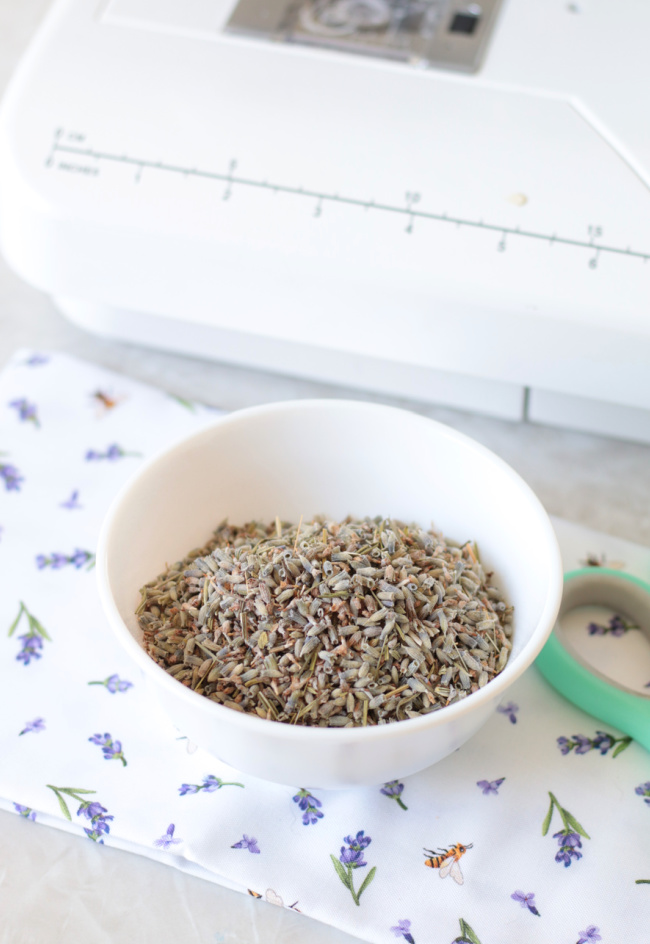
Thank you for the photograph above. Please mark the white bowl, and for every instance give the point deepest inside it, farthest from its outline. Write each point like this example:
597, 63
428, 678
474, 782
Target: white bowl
336, 458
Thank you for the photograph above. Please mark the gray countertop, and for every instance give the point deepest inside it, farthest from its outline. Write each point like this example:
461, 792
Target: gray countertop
56, 887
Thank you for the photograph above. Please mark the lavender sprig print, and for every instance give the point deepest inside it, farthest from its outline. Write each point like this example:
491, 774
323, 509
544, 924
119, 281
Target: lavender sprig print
37, 360
25, 811
394, 790
56, 560
643, 790
112, 750
247, 842
617, 627
403, 929
350, 859
32, 641
602, 742
310, 806
209, 785
112, 453
89, 809
490, 786
569, 837
467, 934
38, 724
114, 684
11, 477
72, 503
27, 412
510, 709
168, 839
526, 901
591, 934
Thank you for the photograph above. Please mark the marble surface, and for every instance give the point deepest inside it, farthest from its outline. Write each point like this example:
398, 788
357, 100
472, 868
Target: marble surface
55, 887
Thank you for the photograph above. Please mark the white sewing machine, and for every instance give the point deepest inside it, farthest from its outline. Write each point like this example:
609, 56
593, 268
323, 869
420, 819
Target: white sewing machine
436, 199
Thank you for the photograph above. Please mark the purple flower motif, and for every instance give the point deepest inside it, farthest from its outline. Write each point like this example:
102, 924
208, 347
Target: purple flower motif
168, 839
526, 901
403, 929
26, 411
617, 627
72, 503
212, 783
310, 805
353, 855
96, 813
26, 811
112, 750
247, 842
79, 557
591, 934
56, 560
90, 810
583, 744
393, 789
114, 684
209, 785
569, 843
36, 360
359, 841
510, 709
113, 452
490, 786
602, 742
11, 477
31, 648
186, 788
38, 724
644, 790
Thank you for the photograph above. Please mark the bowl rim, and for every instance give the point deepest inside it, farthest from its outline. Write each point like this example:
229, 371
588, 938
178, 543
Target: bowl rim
293, 732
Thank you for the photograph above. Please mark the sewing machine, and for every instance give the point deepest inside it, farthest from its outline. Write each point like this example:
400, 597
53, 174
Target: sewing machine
434, 199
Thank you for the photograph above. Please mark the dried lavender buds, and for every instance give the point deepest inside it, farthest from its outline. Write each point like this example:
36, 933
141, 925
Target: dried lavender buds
328, 624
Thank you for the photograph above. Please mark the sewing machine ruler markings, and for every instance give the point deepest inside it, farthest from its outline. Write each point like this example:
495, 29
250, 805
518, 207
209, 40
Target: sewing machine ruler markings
88, 162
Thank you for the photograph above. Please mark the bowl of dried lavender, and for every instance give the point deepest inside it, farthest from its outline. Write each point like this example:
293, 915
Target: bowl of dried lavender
328, 592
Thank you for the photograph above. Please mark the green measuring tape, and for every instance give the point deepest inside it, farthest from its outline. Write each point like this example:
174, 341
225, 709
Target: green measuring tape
588, 688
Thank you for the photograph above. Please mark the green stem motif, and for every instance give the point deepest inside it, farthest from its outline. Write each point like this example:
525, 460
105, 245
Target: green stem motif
621, 744
182, 401
35, 627
351, 859
345, 873
76, 793
32, 640
467, 934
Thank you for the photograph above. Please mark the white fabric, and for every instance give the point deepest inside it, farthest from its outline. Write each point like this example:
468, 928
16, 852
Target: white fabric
59, 419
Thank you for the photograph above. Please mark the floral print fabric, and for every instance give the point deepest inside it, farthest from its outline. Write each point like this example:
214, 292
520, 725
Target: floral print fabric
539, 826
